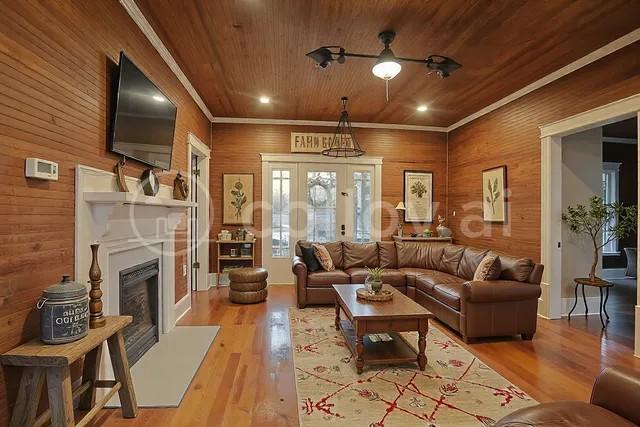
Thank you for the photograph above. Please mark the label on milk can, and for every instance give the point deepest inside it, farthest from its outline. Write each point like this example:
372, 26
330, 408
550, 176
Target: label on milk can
64, 322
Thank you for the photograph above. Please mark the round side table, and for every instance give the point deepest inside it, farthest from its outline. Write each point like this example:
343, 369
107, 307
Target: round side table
602, 285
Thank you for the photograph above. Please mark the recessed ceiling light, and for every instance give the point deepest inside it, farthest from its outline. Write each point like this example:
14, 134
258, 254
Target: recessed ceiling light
422, 108
264, 100
159, 98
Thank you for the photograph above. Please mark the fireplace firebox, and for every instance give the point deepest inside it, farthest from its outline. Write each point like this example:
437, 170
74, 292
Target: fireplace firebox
139, 299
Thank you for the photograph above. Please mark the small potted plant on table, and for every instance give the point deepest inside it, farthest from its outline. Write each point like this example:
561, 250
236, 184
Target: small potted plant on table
374, 279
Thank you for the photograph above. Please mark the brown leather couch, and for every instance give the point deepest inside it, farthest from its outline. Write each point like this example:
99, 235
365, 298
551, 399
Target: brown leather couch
615, 402
439, 277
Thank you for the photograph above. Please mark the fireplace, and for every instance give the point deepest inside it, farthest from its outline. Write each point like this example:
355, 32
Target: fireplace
139, 299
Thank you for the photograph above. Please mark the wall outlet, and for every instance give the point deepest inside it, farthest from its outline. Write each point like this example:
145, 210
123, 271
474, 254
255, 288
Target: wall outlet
184, 270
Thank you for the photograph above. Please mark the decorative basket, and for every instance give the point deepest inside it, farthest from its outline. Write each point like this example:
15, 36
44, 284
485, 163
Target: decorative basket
384, 295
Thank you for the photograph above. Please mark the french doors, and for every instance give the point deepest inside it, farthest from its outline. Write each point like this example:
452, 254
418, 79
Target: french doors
320, 202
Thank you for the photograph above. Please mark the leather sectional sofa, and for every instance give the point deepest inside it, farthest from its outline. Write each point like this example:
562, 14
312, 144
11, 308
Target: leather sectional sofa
439, 276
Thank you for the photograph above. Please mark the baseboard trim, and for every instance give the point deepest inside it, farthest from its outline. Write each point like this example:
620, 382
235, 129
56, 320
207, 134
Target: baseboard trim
182, 307
614, 273
593, 303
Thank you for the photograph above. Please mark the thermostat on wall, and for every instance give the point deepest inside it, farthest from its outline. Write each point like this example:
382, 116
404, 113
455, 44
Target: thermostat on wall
41, 169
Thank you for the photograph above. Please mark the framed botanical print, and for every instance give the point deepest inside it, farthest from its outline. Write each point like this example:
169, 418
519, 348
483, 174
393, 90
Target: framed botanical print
237, 199
418, 196
494, 194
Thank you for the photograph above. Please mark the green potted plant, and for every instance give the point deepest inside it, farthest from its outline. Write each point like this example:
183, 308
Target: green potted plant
374, 278
617, 220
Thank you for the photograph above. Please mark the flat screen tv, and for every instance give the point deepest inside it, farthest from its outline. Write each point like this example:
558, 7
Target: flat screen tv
144, 120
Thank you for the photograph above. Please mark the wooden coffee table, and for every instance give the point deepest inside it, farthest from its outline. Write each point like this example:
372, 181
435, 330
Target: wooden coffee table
401, 314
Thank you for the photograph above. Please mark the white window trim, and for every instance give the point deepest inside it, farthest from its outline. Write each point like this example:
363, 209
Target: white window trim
614, 168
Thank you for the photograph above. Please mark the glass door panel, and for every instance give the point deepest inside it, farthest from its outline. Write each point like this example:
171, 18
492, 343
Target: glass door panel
321, 205
361, 201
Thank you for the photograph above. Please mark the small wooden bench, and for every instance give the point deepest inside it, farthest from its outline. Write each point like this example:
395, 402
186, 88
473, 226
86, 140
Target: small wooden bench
38, 359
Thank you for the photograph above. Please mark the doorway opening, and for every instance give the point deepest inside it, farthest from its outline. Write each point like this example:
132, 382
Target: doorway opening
310, 199
553, 303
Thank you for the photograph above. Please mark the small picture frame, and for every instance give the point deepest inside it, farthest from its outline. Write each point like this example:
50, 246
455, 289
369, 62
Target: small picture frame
418, 196
494, 194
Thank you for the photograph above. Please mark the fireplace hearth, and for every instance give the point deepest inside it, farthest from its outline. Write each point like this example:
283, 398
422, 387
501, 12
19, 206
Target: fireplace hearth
139, 299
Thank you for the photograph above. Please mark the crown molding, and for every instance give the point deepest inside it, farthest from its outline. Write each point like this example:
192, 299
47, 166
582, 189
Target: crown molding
594, 56
138, 17
256, 121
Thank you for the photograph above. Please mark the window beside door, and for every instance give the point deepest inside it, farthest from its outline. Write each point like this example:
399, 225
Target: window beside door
610, 191
281, 212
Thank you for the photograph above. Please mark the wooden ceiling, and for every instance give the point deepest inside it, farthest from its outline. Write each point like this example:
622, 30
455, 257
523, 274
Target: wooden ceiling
234, 51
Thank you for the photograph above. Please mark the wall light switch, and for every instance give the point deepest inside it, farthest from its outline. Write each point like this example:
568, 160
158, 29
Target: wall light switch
184, 270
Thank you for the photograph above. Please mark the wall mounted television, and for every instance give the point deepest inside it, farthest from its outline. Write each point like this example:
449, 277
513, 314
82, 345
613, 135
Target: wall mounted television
144, 120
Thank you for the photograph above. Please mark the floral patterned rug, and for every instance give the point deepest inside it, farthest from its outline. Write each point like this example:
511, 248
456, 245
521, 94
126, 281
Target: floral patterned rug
456, 389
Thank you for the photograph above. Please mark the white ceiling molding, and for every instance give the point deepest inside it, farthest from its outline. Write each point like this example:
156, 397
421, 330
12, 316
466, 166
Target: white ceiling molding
136, 14
605, 50
254, 121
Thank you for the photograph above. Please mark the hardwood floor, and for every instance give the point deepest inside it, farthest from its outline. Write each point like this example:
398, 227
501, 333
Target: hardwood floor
247, 377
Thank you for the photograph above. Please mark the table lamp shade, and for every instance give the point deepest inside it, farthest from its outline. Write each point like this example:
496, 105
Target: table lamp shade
400, 206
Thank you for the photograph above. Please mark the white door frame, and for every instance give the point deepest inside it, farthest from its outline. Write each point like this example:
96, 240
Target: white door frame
295, 159
200, 149
551, 197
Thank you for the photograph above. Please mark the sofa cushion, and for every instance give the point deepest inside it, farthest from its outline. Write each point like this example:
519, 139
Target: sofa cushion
426, 281
411, 273
451, 259
449, 294
434, 255
335, 250
359, 254
420, 255
310, 259
488, 269
322, 279
469, 262
514, 268
387, 255
390, 276
323, 257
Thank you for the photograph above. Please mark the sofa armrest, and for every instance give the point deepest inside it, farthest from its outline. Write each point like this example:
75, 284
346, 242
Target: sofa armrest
618, 390
299, 269
478, 291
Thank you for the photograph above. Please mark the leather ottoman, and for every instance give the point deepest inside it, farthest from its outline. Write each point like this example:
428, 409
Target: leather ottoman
248, 285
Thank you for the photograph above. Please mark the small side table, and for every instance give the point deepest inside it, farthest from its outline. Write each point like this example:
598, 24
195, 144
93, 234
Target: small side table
601, 285
53, 361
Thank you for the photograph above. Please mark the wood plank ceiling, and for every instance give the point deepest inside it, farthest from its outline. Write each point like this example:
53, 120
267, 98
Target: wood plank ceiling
234, 51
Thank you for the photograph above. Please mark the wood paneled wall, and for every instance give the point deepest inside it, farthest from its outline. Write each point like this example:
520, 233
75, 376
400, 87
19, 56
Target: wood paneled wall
56, 62
236, 148
510, 136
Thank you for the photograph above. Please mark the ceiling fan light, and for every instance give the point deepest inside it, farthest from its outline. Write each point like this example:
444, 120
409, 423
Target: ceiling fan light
387, 66
386, 70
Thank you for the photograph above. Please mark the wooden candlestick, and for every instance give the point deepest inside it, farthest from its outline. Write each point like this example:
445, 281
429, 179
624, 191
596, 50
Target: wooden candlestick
96, 318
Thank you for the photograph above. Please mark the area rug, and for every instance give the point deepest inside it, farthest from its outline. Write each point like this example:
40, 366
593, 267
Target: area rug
456, 389
161, 377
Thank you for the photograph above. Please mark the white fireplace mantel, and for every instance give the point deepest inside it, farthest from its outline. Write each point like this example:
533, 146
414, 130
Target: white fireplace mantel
122, 222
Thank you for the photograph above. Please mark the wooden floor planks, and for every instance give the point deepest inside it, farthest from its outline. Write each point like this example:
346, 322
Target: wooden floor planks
247, 378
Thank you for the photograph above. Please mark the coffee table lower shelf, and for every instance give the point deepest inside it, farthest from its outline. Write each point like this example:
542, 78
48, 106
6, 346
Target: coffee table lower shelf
379, 353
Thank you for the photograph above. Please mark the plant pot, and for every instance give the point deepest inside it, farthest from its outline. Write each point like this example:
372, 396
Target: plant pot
376, 286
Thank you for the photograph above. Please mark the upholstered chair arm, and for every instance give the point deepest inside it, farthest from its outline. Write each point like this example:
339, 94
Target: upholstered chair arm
299, 269
618, 390
479, 291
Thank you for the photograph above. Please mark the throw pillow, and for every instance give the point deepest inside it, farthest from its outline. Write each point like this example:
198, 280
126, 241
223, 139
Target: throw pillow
323, 256
309, 259
488, 269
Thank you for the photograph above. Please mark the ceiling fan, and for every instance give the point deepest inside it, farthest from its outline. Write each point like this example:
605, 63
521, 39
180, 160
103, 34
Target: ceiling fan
387, 65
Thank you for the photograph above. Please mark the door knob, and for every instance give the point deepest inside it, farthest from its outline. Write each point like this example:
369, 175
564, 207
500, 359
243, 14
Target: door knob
344, 193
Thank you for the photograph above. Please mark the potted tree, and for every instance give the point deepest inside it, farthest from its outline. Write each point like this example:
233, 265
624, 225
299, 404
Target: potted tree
617, 220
